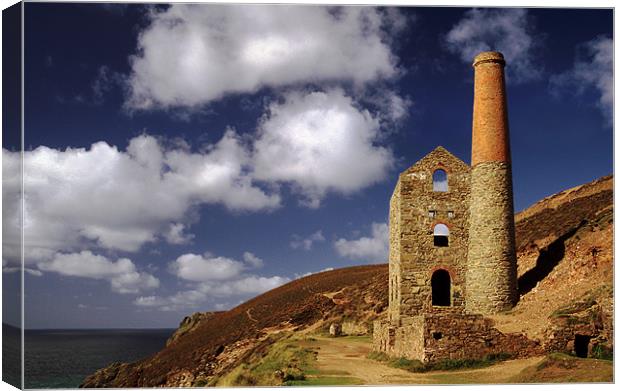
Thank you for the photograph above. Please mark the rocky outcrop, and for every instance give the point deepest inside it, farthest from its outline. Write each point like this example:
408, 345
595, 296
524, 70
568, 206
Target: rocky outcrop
188, 324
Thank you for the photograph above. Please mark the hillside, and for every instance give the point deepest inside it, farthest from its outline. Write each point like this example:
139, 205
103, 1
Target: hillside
565, 256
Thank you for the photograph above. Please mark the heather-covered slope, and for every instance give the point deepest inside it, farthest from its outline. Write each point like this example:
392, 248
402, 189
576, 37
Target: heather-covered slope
565, 254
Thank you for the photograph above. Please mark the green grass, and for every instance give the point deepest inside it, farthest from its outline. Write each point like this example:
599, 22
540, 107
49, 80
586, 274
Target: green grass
284, 360
288, 361
360, 338
417, 366
378, 356
326, 381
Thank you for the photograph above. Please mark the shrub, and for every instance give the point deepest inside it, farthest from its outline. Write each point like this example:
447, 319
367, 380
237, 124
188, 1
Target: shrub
602, 352
409, 365
378, 356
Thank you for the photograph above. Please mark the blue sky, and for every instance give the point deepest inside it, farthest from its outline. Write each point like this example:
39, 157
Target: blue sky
187, 158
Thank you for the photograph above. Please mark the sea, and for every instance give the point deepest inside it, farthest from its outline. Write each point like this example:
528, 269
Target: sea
63, 358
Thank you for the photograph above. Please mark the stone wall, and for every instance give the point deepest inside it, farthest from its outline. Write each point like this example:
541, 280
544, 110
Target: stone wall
492, 264
450, 336
394, 256
594, 323
354, 328
471, 336
413, 256
384, 337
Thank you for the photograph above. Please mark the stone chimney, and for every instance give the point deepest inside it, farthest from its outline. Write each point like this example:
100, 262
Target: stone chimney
491, 284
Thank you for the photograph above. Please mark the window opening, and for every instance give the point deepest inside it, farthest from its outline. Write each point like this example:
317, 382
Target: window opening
441, 233
440, 180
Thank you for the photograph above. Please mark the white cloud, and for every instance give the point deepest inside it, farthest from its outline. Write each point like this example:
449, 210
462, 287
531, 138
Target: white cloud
507, 30
190, 55
15, 269
122, 273
212, 277
178, 301
175, 234
320, 141
327, 269
192, 267
250, 285
593, 69
308, 242
219, 175
253, 260
103, 197
372, 248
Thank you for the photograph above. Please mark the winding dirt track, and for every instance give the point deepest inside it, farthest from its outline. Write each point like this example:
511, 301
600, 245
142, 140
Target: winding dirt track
348, 357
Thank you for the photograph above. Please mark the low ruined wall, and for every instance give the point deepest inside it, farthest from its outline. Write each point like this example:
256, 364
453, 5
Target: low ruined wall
449, 336
354, 328
410, 339
437, 337
383, 337
560, 337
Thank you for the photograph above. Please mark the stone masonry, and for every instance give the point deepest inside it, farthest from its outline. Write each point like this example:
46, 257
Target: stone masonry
413, 256
491, 259
440, 288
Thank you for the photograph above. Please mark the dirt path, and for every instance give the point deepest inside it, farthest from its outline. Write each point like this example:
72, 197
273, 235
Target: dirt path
348, 357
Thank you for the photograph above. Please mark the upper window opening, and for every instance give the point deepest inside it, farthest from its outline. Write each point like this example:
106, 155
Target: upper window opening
441, 234
431, 213
440, 180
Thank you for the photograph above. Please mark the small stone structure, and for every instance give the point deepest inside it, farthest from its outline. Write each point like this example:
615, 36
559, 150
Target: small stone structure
452, 247
335, 330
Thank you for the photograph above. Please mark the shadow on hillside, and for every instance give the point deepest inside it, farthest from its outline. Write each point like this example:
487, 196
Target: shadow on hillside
548, 259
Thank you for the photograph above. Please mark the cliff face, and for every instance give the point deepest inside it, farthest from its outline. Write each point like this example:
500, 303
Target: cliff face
565, 265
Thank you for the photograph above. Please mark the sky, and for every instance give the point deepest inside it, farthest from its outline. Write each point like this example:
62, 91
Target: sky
186, 158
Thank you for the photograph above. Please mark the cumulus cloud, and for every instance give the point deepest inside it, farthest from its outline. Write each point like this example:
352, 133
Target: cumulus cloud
7, 268
122, 273
507, 30
253, 260
106, 198
592, 70
307, 243
212, 277
190, 54
192, 267
250, 285
371, 248
120, 200
176, 234
178, 301
320, 142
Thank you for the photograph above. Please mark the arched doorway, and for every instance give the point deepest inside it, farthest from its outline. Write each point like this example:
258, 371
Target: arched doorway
440, 286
